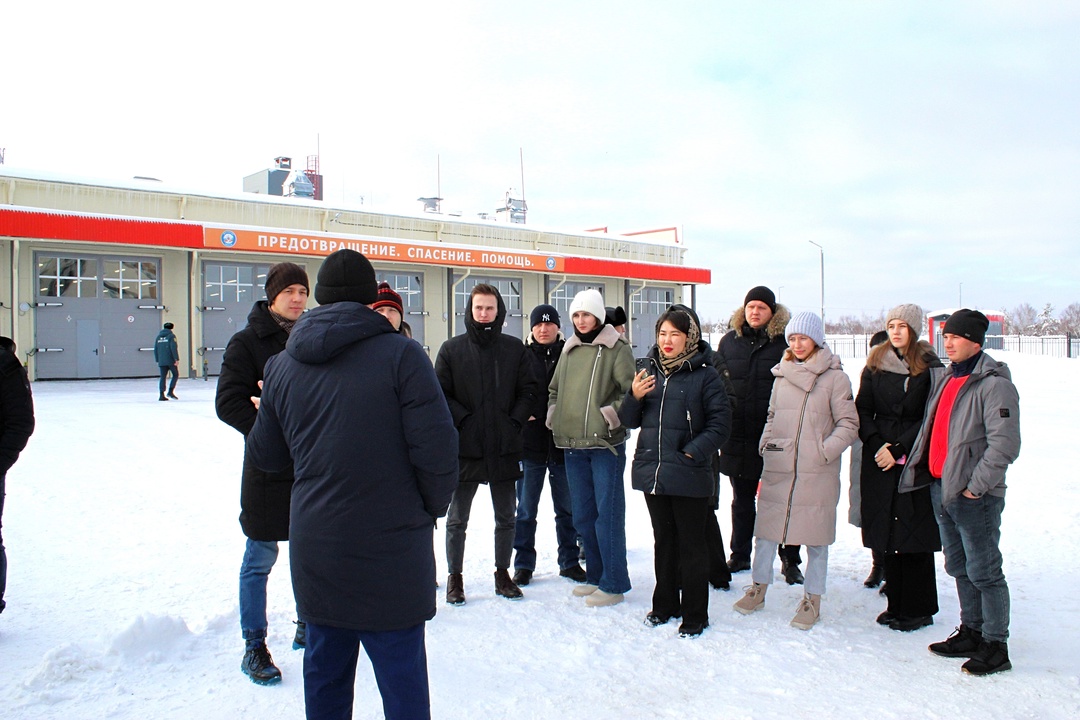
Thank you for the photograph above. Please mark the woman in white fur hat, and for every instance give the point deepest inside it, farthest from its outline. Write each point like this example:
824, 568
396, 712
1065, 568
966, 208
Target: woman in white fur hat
812, 420
594, 374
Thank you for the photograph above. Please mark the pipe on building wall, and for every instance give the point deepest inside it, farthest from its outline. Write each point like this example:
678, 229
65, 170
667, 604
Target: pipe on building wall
552, 293
193, 286
15, 292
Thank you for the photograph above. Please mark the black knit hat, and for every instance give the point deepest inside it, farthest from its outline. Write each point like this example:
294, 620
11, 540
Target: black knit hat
168, 326
763, 294
970, 324
615, 316
282, 276
542, 314
346, 276
387, 297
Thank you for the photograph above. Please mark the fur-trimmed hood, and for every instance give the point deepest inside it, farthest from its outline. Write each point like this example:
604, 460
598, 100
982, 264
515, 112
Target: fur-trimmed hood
608, 337
776, 325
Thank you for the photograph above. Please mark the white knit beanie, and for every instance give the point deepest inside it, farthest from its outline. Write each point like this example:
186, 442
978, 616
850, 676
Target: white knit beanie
808, 324
591, 301
911, 314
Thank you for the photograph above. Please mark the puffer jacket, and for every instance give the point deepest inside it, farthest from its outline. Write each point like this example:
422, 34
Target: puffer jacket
588, 388
490, 387
984, 434
749, 356
539, 445
891, 403
686, 413
812, 420
264, 497
357, 409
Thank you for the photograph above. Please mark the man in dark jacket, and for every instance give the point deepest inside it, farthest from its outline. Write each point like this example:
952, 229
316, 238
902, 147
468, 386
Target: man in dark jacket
264, 497
969, 437
491, 390
545, 344
357, 409
750, 349
16, 426
167, 356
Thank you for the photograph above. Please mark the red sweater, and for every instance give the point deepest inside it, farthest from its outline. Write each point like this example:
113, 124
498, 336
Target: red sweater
939, 433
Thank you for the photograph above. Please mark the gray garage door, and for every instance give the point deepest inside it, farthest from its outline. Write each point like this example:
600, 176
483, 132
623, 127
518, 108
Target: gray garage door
95, 316
229, 292
509, 288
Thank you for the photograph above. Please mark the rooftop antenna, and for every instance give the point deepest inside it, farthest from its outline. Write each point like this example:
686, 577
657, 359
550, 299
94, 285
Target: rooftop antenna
521, 164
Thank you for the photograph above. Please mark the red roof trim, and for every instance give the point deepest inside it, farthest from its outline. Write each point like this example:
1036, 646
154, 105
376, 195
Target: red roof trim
88, 228
638, 271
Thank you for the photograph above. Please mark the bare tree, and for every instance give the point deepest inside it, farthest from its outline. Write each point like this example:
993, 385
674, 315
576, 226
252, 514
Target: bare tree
1069, 322
1021, 321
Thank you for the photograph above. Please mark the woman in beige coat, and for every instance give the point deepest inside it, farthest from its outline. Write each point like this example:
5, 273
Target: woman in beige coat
812, 420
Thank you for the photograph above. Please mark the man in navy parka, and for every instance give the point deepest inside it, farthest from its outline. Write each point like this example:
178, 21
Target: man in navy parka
359, 411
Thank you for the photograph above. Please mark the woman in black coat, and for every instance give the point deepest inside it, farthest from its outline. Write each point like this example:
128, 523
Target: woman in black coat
902, 527
679, 402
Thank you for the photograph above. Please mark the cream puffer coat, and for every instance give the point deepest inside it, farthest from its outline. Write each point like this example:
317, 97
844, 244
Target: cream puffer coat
812, 420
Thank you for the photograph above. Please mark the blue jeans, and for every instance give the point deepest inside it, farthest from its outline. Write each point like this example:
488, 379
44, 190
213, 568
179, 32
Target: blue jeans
3, 553
259, 558
599, 501
398, 657
529, 489
970, 539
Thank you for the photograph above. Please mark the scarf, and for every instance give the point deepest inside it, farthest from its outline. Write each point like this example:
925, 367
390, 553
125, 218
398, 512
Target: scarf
670, 364
283, 322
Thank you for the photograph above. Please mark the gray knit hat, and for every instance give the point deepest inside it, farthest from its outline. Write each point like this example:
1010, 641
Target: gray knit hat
911, 314
808, 324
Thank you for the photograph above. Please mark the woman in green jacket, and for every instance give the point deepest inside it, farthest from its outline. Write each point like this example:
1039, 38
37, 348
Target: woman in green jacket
594, 374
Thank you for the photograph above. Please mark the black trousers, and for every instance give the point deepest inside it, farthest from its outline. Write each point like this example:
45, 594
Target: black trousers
911, 584
719, 575
743, 514
681, 558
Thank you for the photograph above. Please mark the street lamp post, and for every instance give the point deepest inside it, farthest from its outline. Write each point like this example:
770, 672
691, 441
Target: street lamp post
822, 251
960, 299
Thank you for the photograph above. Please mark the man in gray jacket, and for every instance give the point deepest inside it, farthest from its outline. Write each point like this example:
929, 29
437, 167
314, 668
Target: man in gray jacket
970, 435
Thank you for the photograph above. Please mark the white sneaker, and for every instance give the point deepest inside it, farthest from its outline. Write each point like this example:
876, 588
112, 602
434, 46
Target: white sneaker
586, 589
603, 599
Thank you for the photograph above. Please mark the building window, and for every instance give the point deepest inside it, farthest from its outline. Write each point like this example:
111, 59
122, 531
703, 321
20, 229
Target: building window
233, 283
131, 279
651, 301
509, 289
563, 295
67, 277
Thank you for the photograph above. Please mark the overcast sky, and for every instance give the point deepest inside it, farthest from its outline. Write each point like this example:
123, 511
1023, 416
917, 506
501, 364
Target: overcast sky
922, 144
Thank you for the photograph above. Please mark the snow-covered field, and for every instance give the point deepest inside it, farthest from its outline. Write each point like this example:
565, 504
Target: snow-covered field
124, 550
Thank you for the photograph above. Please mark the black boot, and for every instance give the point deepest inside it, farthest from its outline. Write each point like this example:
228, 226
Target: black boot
163, 397
259, 666
877, 573
737, 565
522, 576
965, 642
908, 624
455, 589
993, 656
574, 572
505, 587
299, 641
792, 574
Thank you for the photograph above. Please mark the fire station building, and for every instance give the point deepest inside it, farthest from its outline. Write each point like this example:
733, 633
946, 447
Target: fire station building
90, 270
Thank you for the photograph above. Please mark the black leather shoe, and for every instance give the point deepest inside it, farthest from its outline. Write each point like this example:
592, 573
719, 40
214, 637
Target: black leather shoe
173, 396
506, 587
885, 618
907, 624
259, 666
692, 630
654, 620
522, 576
455, 589
792, 574
735, 565
574, 572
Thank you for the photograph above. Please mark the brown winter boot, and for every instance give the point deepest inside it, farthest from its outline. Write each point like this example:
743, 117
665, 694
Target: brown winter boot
505, 587
808, 613
754, 599
455, 589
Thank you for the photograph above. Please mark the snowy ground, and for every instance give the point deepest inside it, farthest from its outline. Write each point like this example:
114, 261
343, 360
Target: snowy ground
124, 548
